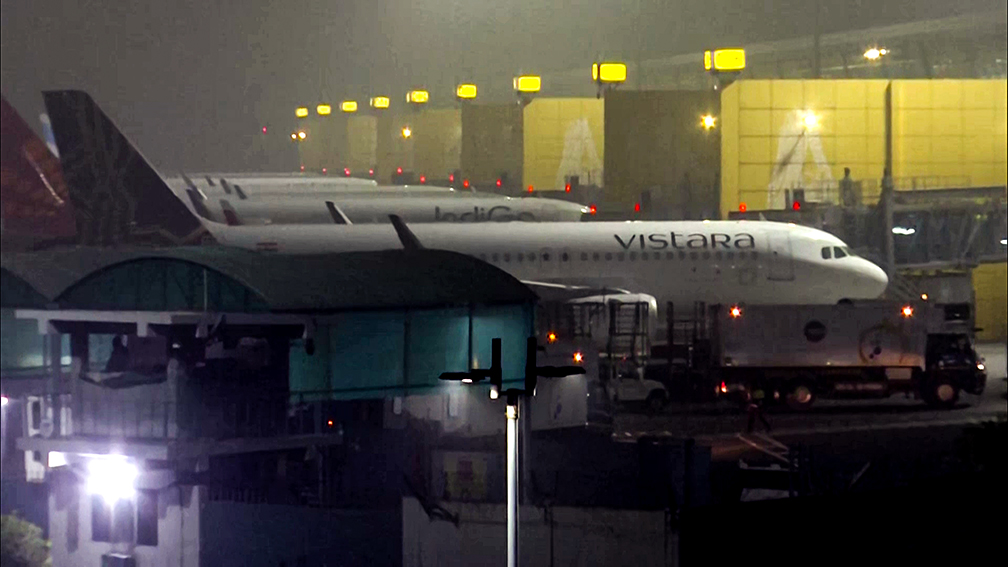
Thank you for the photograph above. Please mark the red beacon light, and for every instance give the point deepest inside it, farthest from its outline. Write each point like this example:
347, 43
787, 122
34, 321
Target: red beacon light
567, 188
465, 183
796, 206
302, 168
907, 311
498, 182
324, 170
451, 178
530, 189
592, 209
398, 171
423, 179
735, 311
742, 207
636, 207
264, 129
346, 171
371, 172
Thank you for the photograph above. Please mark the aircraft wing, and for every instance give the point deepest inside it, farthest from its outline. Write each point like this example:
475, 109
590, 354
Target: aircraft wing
549, 291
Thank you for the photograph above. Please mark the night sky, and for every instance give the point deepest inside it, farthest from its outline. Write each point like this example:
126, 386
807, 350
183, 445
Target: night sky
193, 82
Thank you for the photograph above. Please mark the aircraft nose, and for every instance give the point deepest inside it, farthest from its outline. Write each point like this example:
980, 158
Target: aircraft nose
878, 281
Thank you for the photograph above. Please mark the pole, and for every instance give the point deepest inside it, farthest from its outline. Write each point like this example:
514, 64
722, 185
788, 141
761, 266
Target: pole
512, 486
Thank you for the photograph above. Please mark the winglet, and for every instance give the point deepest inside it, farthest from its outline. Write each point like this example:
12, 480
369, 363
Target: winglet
406, 236
241, 194
198, 206
230, 215
337, 215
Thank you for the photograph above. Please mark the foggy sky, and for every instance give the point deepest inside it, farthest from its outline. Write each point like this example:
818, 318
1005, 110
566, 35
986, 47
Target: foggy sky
192, 83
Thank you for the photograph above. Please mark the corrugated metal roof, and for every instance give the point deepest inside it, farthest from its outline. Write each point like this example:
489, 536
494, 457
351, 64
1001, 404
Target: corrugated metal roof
292, 283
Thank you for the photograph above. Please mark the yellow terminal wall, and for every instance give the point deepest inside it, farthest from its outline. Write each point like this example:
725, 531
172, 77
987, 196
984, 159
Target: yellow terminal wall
362, 141
437, 139
945, 133
949, 133
767, 146
991, 300
563, 137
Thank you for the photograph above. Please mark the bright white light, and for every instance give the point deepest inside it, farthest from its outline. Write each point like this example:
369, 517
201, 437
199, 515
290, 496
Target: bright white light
467, 380
57, 459
903, 231
810, 120
494, 394
111, 477
872, 54
4, 400
1004, 242
981, 367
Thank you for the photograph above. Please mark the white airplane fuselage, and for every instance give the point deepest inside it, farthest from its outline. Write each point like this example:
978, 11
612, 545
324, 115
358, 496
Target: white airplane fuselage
712, 261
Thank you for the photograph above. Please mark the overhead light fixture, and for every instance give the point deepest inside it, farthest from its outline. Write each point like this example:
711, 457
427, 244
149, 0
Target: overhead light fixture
323, 109
112, 478
301, 112
708, 121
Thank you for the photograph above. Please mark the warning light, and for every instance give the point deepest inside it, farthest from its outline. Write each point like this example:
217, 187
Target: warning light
465, 183
742, 207
530, 189
735, 312
346, 171
907, 311
636, 207
592, 209
371, 172
498, 182
264, 129
924, 296
324, 170
708, 121
302, 168
551, 337
578, 357
329, 423
451, 178
724, 388
423, 179
398, 171
796, 205
406, 132
567, 188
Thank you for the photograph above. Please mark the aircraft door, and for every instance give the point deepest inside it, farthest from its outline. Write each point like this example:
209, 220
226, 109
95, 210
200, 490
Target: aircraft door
780, 266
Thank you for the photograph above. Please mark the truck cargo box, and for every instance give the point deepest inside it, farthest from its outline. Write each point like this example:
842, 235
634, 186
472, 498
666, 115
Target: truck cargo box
882, 334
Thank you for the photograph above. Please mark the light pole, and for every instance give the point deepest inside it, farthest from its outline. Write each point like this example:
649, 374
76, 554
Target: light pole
512, 395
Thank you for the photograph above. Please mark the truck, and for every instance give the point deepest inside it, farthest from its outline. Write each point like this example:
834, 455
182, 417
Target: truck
873, 349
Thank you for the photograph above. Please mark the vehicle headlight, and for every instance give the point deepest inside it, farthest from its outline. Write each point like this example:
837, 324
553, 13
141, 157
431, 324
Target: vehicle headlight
980, 366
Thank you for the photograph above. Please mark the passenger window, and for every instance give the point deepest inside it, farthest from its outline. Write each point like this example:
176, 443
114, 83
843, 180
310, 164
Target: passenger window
595, 256
584, 256
682, 255
826, 253
545, 256
519, 257
608, 255
507, 256
633, 256
564, 257
838, 252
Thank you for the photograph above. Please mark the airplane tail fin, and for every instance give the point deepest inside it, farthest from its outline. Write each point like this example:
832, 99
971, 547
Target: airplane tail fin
35, 206
230, 215
199, 204
241, 194
338, 216
119, 198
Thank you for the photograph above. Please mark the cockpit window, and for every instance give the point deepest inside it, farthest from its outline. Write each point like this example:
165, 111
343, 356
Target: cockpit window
826, 253
838, 252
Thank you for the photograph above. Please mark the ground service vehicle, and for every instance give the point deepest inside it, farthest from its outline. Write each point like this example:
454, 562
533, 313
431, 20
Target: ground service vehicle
796, 353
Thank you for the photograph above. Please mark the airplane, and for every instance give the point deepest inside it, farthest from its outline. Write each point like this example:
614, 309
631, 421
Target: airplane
712, 261
363, 207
